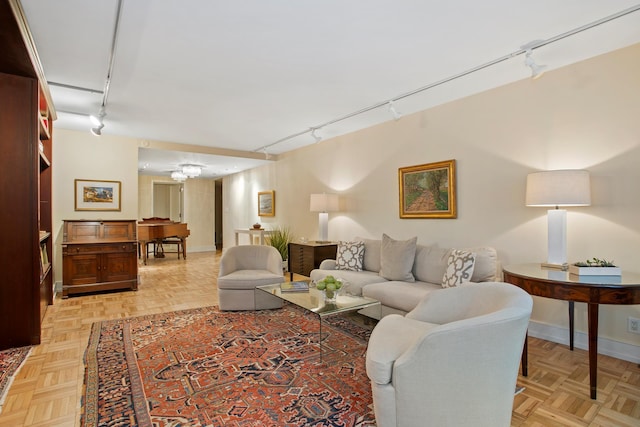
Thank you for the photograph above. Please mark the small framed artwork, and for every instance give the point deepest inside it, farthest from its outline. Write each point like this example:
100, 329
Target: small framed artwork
93, 195
267, 203
428, 191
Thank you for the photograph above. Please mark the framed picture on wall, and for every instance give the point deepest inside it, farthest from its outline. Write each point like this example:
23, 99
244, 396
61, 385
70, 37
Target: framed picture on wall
267, 203
428, 191
92, 195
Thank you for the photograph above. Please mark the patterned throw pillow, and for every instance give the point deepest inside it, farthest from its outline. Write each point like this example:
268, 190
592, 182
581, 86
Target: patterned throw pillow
350, 256
459, 268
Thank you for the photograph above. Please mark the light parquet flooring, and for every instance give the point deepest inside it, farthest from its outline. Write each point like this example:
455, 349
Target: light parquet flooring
48, 388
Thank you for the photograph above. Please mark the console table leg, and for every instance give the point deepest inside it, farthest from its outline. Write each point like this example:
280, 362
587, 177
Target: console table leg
571, 312
593, 348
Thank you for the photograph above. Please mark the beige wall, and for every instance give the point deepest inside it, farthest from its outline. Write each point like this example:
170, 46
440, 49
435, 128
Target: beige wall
80, 155
582, 116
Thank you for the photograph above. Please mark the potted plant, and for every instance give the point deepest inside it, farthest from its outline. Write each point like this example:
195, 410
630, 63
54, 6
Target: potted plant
279, 238
595, 267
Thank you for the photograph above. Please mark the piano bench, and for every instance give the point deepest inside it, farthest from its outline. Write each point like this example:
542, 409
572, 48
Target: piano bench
172, 241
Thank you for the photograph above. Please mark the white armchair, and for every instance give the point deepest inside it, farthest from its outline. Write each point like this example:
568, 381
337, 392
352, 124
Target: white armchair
453, 360
242, 268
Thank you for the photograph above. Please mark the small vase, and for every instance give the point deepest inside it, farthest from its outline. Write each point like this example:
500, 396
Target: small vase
330, 296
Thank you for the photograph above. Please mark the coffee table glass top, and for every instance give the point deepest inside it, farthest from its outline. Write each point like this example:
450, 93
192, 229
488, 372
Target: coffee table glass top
313, 300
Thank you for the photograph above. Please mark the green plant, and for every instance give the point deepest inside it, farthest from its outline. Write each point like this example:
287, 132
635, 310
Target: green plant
279, 238
595, 262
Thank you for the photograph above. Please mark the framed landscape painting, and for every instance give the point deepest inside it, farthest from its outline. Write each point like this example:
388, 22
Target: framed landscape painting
428, 191
97, 195
267, 203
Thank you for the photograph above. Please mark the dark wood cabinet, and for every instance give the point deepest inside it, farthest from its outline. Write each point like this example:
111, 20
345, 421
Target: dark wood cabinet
26, 117
99, 256
304, 257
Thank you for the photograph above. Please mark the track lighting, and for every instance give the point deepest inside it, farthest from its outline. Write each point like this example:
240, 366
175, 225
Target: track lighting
98, 121
313, 134
392, 109
536, 70
97, 131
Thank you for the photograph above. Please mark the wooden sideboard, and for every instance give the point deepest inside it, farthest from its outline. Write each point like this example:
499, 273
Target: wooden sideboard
304, 257
99, 255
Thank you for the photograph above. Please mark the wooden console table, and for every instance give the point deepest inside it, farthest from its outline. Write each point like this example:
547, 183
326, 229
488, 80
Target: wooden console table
593, 290
252, 232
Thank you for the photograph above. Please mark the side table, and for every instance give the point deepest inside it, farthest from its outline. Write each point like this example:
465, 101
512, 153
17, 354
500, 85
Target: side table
304, 257
593, 290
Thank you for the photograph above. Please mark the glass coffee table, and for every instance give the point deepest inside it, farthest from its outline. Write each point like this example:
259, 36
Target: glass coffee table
313, 301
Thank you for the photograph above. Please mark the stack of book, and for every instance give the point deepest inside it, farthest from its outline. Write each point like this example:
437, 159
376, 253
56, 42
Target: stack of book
294, 287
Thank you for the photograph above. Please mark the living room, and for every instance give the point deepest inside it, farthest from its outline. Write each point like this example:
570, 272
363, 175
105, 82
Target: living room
580, 116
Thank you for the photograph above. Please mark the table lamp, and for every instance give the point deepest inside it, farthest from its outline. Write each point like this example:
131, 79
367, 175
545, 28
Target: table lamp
558, 188
323, 203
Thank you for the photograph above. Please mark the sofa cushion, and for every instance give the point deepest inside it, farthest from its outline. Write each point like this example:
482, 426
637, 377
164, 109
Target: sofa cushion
248, 279
396, 258
430, 263
486, 266
350, 256
399, 295
371, 261
382, 353
459, 268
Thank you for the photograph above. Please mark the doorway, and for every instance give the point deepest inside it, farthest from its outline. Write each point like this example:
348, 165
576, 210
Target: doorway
168, 200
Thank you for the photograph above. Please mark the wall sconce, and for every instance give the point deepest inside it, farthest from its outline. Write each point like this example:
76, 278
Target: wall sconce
323, 203
558, 188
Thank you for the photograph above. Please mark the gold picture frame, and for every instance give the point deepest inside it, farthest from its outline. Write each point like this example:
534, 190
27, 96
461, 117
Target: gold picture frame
428, 191
267, 203
97, 195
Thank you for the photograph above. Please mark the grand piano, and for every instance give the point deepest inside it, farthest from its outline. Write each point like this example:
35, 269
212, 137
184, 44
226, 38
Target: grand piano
158, 230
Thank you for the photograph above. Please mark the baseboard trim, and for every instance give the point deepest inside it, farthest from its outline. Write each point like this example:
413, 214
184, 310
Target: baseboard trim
606, 346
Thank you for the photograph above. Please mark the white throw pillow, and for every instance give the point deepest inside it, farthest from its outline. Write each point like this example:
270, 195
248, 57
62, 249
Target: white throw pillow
459, 268
396, 258
350, 256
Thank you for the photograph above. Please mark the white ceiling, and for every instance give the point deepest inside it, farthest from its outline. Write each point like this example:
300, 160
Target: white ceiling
243, 75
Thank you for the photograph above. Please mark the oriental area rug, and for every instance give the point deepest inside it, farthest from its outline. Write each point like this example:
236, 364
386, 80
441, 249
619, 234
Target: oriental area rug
203, 367
11, 360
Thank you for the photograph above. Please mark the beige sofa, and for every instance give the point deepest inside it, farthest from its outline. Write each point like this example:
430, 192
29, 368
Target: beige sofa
427, 266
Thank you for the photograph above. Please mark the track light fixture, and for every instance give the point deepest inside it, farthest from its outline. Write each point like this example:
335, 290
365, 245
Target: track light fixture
314, 135
536, 70
392, 109
97, 131
98, 121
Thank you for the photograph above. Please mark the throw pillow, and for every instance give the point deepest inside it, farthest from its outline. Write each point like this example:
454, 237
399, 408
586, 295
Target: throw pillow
396, 258
350, 256
459, 268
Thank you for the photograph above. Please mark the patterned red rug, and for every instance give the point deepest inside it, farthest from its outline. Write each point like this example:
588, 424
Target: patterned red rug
204, 367
11, 360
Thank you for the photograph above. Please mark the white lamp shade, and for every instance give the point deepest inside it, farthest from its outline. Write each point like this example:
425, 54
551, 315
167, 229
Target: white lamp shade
558, 188
323, 202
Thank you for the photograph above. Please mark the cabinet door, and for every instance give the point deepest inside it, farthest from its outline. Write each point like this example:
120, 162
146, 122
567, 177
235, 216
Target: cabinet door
81, 269
117, 267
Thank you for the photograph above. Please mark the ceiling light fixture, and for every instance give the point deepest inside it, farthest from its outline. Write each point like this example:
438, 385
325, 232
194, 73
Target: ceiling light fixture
178, 176
507, 57
98, 120
536, 70
392, 109
314, 135
191, 171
